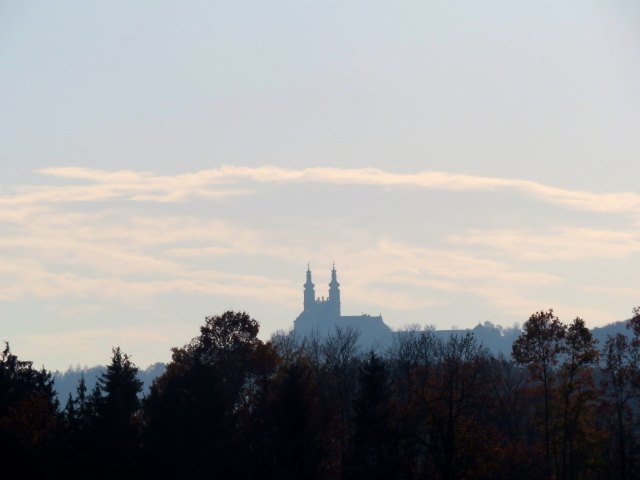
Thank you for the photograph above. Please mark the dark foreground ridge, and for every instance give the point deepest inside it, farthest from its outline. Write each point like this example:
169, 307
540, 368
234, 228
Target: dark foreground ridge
230, 405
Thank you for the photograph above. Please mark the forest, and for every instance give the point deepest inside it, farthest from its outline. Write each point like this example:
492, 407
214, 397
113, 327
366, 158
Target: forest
230, 405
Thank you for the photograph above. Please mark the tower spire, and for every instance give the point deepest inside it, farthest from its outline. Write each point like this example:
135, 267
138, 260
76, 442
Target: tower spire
334, 292
309, 291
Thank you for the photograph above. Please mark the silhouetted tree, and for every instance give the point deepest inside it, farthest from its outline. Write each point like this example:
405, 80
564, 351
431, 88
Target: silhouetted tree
513, 454
298, 425
620, 370
539, 349
77, 409
411, 348
192, 409
120, 388
577, 396
112, 418
371, 448
621, 391
80, 439
251, 412
28, 417
458, 385
338, 384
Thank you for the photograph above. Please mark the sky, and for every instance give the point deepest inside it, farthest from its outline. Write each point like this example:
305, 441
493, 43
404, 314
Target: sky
460, 161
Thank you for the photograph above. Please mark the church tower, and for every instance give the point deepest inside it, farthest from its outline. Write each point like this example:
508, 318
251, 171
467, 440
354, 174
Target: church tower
334, 294
309, 292
322, 315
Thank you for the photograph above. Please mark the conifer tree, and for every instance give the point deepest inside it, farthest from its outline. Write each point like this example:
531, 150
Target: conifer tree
113, 409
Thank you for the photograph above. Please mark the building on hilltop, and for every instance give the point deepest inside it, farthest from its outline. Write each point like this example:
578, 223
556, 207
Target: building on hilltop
322, 315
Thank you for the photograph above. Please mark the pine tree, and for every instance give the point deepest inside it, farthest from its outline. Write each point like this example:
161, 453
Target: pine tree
112, 410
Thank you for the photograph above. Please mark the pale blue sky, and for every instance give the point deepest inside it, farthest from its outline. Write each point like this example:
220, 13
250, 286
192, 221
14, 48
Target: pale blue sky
460, 161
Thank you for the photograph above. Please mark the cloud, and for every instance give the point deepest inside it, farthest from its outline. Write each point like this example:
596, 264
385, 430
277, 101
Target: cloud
25, 279
216, 183
98, 176
53, 245
451, 265
113, 255
201, 252
123, 256
561, 243
401, 275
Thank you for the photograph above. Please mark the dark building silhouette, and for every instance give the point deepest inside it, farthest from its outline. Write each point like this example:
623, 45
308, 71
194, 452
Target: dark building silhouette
322, 315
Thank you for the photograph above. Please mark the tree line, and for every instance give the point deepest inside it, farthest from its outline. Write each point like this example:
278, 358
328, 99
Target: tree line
230, 405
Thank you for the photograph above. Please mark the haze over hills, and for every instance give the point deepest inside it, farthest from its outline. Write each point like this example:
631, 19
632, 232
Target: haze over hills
321, 317
495, 338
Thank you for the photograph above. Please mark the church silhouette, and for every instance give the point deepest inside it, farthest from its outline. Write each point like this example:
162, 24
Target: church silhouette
322, 315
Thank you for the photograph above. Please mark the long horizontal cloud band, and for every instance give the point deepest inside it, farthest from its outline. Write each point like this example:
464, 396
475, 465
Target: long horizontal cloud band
146, 186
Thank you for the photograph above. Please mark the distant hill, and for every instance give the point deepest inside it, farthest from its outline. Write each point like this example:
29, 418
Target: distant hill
67, 382
601, 333
499, 340
496, 339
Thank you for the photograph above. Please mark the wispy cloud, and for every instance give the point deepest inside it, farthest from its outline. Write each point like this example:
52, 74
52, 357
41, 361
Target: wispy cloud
64, 242
561, 243
23, 279
232, 180
107, 255
403, 275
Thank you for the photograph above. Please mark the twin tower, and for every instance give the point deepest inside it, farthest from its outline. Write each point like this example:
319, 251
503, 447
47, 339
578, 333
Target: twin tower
329, 307
322, 316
